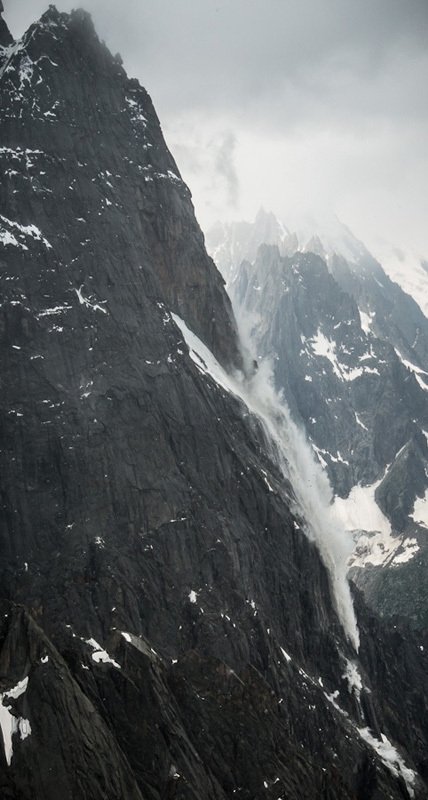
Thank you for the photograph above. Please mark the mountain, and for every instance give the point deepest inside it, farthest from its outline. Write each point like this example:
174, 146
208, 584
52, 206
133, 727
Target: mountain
172, 625
409, 270
350, 355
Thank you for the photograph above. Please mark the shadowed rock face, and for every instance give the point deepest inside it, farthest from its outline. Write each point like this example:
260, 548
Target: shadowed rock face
96, 156
6, 37
167, 630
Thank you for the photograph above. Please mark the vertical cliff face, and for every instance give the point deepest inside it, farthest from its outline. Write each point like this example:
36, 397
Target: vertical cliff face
82, 146
165, 621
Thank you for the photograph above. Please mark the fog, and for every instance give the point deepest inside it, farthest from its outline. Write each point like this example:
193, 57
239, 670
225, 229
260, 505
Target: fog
292, 454
315, 105
290, 449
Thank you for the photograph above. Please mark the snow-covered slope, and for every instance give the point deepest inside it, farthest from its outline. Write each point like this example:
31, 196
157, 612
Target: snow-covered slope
409, 270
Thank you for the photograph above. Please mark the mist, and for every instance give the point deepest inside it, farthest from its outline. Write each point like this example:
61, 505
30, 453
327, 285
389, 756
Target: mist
317, 105
292, 452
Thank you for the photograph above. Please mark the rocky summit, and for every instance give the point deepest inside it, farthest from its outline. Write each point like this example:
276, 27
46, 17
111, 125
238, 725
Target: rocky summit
167, 629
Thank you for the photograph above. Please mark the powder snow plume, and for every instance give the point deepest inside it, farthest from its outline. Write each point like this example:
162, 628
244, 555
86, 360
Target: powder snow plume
311, 486
295, 458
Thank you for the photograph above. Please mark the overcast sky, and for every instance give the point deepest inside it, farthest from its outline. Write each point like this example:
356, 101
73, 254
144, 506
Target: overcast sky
308, 105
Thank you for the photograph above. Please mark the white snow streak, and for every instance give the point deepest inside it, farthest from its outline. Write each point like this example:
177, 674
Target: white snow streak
390, 757
285, 654
9, 723
26, 230
85, 301
417, 371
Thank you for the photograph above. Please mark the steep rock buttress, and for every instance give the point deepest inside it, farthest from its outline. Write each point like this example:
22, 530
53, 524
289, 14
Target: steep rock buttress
165, 621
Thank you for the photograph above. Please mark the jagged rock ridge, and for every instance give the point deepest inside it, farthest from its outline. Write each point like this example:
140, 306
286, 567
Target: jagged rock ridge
165, 622
349, 351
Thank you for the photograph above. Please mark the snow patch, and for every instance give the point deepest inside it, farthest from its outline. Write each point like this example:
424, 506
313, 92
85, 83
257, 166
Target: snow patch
100, 655
9, 723
360, 512
410, 548
366, 321
23, 230
322, 346
332, 699
420, 510
375, 544
390, 757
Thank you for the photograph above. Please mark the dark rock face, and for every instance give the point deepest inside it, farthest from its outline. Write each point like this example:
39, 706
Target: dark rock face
167, 631
83, 111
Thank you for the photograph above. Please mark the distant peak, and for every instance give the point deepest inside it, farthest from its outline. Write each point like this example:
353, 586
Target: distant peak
51, 15
54, 18
262, 214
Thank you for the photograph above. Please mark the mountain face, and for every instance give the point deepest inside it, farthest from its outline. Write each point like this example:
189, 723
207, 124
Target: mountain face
349, 352
167, 629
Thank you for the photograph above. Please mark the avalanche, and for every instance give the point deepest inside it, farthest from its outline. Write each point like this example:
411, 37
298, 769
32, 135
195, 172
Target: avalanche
295, 458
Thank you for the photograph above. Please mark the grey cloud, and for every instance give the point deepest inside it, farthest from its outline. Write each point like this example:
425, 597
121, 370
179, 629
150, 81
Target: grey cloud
225, 168
227, 52
352, 72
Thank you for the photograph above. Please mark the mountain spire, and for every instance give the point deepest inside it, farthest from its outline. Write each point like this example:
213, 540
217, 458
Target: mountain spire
6, 37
